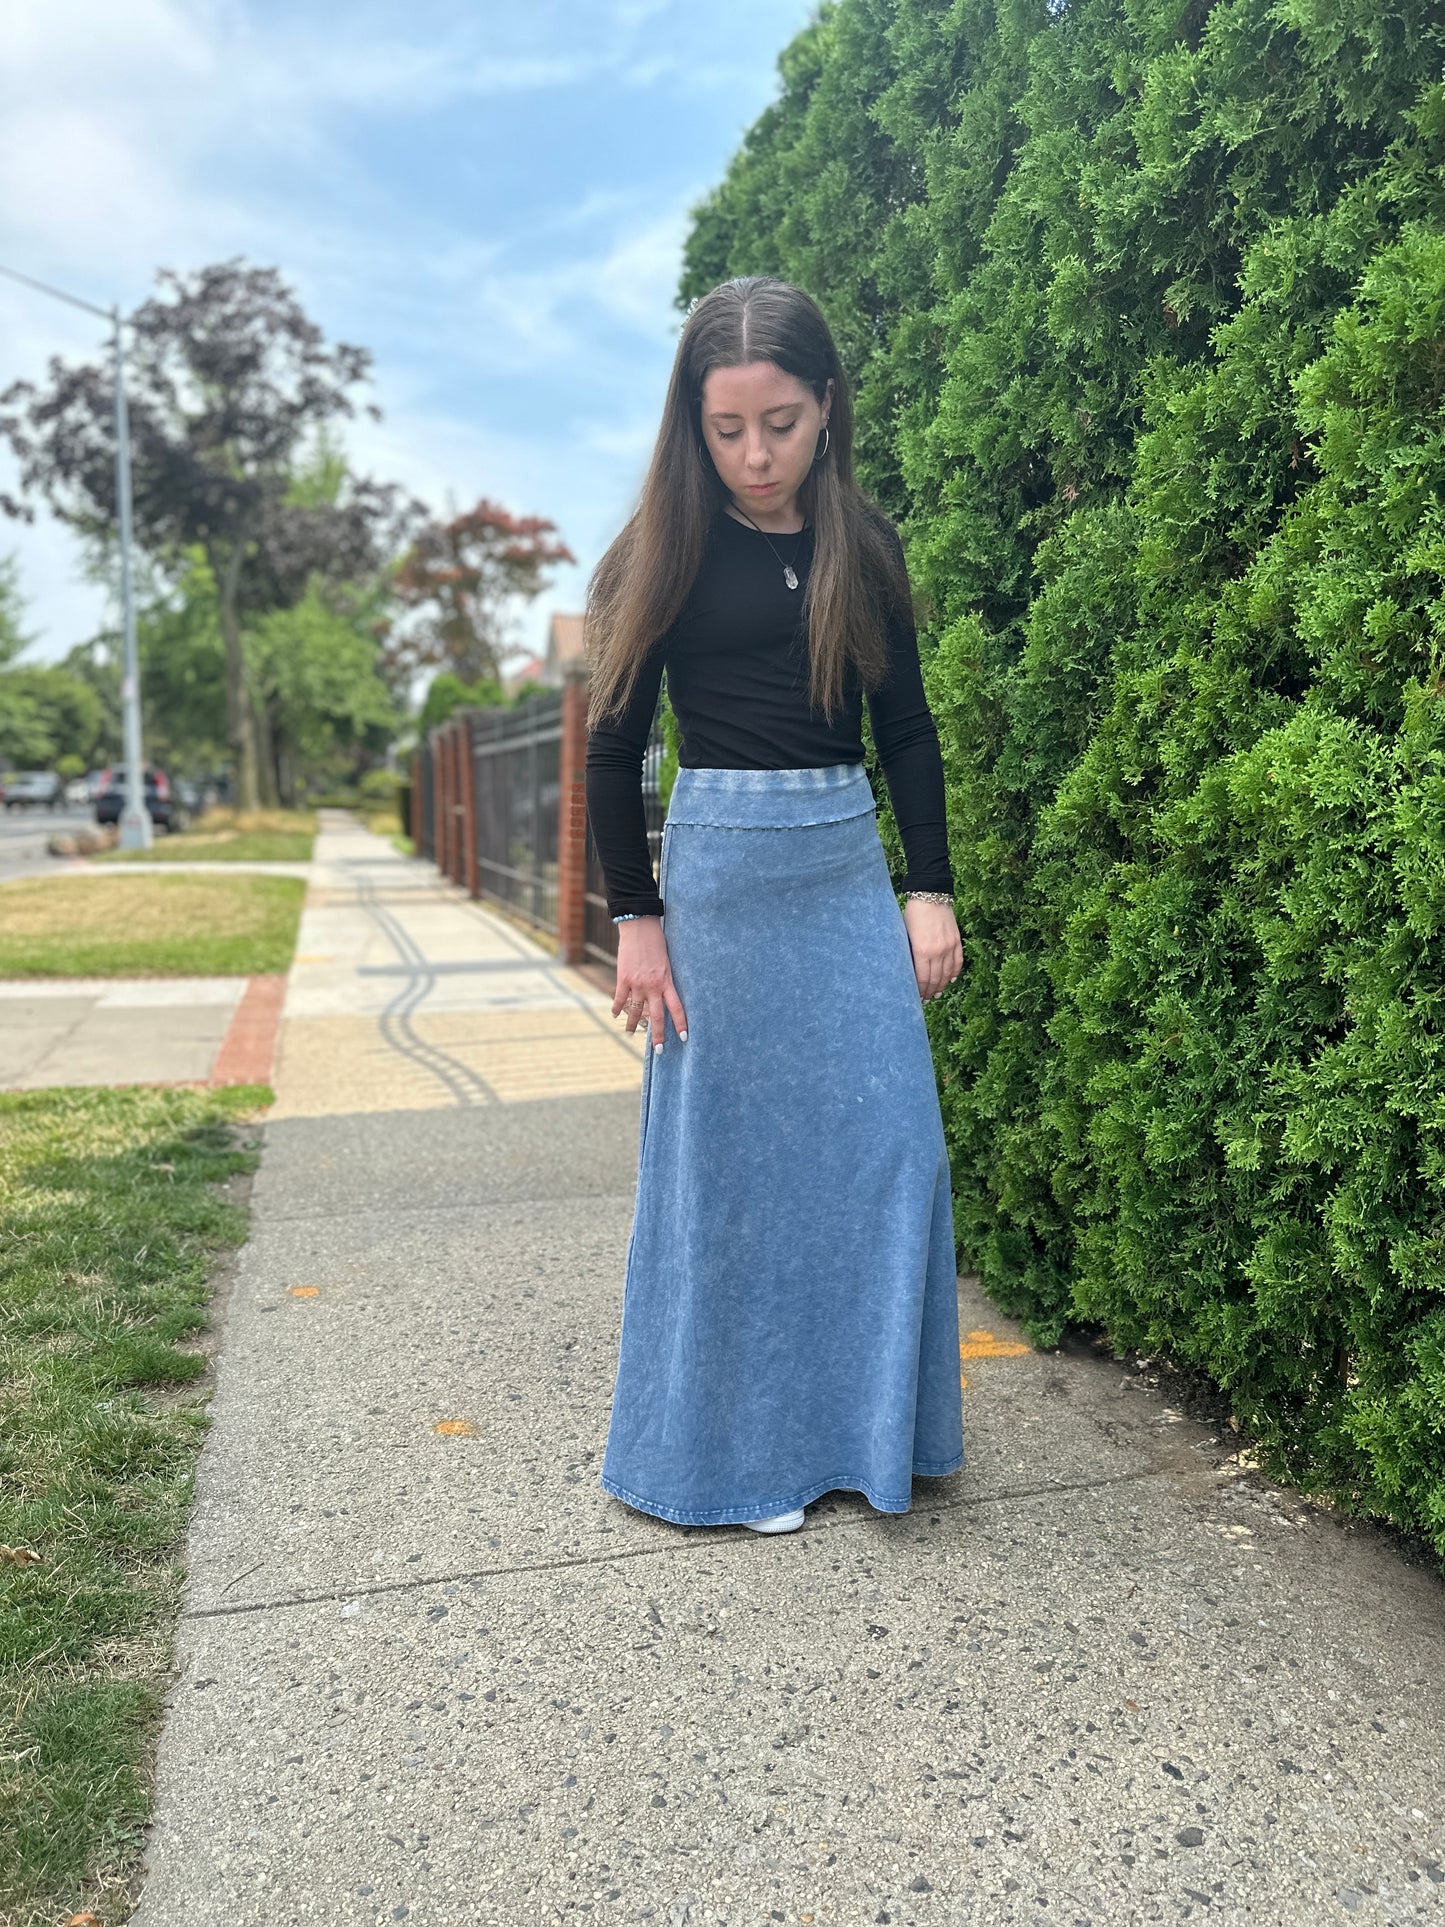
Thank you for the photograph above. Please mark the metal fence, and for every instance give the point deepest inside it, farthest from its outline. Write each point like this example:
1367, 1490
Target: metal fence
600, 930
423, 789
488, 807
516, 787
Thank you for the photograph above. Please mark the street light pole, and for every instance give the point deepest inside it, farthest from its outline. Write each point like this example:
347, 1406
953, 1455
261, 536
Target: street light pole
135, 822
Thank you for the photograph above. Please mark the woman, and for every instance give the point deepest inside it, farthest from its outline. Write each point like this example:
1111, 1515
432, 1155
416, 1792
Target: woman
790, 1318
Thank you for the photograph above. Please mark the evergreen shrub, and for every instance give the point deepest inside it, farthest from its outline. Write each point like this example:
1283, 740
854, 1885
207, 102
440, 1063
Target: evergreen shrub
1145, 308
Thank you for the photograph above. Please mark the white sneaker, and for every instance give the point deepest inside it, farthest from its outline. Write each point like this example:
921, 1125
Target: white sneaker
780, 1522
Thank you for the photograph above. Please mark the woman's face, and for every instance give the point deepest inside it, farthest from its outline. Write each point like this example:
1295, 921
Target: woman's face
761, 426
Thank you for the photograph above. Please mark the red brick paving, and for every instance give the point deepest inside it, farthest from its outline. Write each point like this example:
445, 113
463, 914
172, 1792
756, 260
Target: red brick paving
248, 1051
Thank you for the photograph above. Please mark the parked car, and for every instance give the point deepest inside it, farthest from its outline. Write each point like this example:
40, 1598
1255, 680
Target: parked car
27, 789
165, 812
77, 790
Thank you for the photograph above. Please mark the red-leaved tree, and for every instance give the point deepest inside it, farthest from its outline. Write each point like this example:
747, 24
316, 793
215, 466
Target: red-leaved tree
461, 578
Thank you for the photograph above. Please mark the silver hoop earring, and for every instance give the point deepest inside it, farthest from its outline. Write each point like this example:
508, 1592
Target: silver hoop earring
824, 449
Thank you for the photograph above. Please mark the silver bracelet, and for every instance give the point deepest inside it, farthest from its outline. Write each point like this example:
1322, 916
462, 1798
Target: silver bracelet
634, 916
929, 896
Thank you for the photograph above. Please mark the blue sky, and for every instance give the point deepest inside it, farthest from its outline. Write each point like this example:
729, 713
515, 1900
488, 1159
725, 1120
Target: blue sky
491, 198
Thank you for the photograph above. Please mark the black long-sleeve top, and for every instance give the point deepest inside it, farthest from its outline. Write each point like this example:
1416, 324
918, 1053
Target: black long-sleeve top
737, 674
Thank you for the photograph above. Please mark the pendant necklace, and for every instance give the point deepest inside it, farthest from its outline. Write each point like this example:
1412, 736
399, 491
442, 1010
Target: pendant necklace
789, 573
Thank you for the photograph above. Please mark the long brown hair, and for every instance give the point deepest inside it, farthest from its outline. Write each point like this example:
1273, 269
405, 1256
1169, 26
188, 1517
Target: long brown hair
857, 577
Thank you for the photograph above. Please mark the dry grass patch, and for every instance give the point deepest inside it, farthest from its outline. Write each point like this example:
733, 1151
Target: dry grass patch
249, 822
234, 836
148, 926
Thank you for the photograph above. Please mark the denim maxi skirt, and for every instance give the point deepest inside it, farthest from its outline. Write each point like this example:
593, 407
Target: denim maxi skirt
790, 1311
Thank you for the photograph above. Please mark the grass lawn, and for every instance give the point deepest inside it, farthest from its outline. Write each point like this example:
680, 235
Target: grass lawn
232, 836
111, 1215
386, 822
148, 926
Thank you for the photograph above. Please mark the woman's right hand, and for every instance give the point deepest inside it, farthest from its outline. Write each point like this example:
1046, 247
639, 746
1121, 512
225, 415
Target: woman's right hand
644, 980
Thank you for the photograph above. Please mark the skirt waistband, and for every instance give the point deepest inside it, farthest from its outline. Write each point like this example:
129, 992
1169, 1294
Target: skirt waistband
768, 799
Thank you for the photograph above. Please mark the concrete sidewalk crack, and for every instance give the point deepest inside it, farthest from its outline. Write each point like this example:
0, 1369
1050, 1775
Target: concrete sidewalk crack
350, 1212
700, 1536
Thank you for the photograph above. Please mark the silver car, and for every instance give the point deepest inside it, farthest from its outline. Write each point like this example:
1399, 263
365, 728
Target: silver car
32, 789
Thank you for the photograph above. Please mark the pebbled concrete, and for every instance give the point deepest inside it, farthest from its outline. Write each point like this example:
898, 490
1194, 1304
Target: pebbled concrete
330, 1168
1104, 1674
505, 1322
1097, 1675
1038, 1709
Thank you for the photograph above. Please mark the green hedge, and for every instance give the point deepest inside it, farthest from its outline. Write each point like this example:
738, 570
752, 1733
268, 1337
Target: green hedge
1146, 308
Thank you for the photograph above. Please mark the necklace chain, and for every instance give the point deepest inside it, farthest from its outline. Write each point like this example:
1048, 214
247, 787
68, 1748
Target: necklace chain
790, 575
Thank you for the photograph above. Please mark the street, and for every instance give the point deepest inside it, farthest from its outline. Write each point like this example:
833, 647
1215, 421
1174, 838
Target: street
25, 833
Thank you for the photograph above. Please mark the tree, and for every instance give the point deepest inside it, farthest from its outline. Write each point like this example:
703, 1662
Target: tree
447, 693
46, 713
460, 578
182, 669
13, 639
314, 667
229, 382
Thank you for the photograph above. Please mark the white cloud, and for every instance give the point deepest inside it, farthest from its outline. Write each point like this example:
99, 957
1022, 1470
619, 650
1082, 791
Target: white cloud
528, 319
94, 50
89, 46
633, 14
188, 131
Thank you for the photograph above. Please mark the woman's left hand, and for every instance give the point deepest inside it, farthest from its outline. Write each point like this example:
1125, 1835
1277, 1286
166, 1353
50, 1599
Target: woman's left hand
936, 945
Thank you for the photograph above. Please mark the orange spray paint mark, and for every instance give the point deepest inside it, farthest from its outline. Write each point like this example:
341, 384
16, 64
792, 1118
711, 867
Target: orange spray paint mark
982, 1344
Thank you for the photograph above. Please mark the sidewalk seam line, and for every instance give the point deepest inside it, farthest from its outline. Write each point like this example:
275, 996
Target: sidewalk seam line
423, 1210
712, 1536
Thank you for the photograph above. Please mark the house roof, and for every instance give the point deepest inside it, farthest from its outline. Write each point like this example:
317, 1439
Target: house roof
564, 639
530, 670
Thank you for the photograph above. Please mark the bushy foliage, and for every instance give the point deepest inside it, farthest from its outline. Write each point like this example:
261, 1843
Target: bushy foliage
47, 713
1145, 306
447, 692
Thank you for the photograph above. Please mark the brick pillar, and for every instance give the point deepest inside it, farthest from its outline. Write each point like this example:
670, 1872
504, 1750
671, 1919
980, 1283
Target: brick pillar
572, 820
449, 828
449, 794
467, 785
414, 826
451, 798
439, 798
455, 802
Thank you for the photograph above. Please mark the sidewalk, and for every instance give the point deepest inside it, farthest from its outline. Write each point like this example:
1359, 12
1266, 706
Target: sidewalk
142, 1030
119, 1030
405, 995
428, 1671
